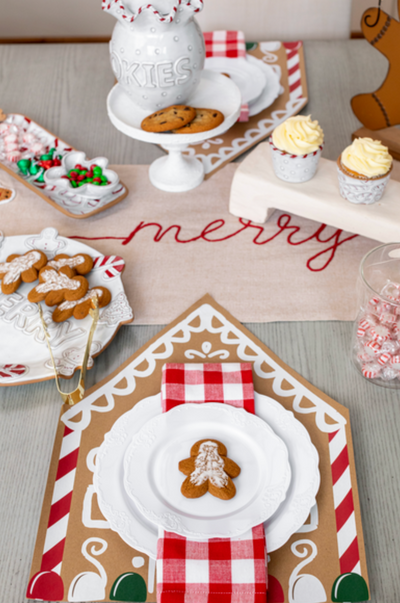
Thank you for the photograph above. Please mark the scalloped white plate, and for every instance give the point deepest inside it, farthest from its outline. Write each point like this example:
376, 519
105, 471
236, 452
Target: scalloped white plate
139, 533
271, 90
24, 356
153, 480
249, 78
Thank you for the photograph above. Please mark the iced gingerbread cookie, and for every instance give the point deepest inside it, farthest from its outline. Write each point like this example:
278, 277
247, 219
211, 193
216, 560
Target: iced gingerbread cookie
21, 268
79, 309
77, 264
209, 470
55, 287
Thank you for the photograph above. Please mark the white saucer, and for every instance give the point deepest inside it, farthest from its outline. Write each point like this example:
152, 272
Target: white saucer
139, 533
153, 480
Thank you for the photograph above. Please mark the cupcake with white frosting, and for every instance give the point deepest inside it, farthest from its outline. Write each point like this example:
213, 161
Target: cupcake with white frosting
364, 170
296, 146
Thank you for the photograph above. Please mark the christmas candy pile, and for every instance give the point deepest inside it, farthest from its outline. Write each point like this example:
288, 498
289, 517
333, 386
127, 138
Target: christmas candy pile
377, 349
17, 143
80, 175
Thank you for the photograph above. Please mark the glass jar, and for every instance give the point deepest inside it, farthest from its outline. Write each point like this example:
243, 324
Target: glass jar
376, 335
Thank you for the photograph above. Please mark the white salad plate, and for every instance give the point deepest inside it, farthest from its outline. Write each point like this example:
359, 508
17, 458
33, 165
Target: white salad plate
24, 355
153, 481
138, 532
249, 78
271, 90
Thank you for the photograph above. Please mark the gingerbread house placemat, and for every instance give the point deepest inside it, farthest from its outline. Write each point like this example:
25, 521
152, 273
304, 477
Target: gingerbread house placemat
79, 558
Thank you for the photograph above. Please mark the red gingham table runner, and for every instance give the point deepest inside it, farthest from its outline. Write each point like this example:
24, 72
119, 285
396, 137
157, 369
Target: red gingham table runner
219, 570
231, 45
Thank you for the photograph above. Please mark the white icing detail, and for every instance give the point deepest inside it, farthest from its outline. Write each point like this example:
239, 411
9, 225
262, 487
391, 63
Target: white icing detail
71, 262
67, 305
209, 466
55, 281
13, 269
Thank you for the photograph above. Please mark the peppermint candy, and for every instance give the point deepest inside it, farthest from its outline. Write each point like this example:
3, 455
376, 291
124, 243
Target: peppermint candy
370, 371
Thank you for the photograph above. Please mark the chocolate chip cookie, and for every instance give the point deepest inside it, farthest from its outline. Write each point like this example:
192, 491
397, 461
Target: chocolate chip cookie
206, 119
169, 118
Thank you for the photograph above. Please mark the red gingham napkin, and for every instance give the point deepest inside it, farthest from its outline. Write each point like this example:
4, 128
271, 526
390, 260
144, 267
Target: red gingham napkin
219, 570
225, 44
230, 44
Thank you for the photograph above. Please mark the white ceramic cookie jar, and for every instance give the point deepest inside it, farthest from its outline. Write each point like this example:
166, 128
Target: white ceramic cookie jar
157, 50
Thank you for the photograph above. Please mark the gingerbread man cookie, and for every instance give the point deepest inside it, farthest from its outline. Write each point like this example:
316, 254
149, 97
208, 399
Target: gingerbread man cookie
80, 263
21, 268
381, 109
2, 115
55, 287
6, 195
79, 309
209, 470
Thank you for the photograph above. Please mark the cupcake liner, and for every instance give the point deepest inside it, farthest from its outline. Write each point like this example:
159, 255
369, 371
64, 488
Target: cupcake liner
294, 168
364, 190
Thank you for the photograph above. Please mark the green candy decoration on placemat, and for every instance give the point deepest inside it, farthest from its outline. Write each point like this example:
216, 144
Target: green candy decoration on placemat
251, 46
350, 588
129, 587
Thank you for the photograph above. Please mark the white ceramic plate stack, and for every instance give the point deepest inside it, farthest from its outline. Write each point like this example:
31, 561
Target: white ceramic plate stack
138, 481
257, 81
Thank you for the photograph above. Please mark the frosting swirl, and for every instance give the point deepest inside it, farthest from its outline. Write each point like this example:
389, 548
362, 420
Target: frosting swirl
367, 157
298, 135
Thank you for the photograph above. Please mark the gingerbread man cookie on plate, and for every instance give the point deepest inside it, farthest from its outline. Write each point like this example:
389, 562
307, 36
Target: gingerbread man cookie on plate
55, 287
209, 470
21, 268
79, 309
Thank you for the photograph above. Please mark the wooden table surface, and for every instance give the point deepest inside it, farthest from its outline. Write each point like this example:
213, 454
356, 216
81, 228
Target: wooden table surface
64, 88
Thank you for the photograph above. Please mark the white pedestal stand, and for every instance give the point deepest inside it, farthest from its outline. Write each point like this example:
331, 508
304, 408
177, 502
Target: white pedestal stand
177, 172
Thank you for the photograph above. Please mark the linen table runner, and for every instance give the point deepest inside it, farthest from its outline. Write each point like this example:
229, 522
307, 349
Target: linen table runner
219, 570
230, 45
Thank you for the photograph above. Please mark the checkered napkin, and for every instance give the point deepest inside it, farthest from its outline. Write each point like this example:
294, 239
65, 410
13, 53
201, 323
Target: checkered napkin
231, 45
218, 570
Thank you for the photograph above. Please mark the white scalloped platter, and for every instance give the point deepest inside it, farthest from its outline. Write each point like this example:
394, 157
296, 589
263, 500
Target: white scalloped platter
24, 355
153, 481
138, 532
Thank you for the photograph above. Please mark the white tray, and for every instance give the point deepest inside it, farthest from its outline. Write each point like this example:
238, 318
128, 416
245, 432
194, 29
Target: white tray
256, 192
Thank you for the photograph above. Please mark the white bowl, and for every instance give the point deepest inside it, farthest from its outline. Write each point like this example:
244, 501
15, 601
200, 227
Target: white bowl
54, 176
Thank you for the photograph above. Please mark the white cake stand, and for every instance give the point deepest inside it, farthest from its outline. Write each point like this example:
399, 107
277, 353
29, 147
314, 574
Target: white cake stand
177, 172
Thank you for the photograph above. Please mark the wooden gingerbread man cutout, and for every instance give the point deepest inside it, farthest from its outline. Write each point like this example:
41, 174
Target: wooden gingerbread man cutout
381, 109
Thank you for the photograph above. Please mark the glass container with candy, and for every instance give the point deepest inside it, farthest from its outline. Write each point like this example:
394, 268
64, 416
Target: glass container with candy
376, 335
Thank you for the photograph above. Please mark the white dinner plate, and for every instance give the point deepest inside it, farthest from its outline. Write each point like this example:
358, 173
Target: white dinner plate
249, 78
271, 90
24, 355
139, 533
153, 480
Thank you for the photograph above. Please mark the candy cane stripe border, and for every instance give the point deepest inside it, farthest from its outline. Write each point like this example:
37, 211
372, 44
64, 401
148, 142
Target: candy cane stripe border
294, 72
349, 554
57, 525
